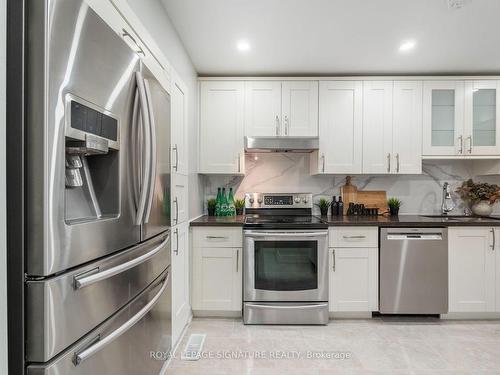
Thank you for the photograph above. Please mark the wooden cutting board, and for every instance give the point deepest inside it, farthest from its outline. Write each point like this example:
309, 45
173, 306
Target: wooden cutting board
373, 199
370, 198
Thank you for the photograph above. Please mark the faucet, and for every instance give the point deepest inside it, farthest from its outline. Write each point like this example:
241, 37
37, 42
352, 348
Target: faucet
447, 203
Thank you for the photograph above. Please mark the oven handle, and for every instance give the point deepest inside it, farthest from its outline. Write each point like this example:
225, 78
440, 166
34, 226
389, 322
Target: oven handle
286, 234
284, 307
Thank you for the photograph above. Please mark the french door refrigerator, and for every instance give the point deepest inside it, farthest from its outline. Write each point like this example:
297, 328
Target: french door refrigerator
98, 295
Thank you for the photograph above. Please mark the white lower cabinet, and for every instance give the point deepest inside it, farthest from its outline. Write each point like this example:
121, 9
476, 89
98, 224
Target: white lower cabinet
181, 310
217, 269
473, 274
353, 271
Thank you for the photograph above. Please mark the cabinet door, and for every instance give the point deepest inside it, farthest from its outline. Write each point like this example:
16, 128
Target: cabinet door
181, 309
221, 127
443, 118
340, 127
407, 127
482, 122
354, 279
300, 108
263, 108
377, 126
179, 127
179, 196
471, 270
217, 279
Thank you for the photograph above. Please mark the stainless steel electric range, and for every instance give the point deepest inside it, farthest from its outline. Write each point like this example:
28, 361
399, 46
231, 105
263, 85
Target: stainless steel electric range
285, 261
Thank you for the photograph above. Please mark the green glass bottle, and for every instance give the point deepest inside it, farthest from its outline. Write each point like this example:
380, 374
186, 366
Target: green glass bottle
223, 207
230, 203
218, 202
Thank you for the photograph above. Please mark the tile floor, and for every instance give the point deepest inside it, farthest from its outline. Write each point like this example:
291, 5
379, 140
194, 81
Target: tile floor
375, 346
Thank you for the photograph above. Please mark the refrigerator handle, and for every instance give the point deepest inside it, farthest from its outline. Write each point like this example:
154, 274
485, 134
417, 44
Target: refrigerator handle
147, 154
136, 156
100, 344
153, 166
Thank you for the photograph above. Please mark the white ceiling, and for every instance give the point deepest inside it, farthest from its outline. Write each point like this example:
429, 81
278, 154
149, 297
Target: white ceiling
338, 36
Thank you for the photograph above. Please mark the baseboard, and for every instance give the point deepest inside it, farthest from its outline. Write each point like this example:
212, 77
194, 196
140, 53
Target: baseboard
351, 315
471, 316
217, 314
163, 370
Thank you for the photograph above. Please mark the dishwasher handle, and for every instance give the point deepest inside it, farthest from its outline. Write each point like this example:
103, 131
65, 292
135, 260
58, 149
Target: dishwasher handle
415, 236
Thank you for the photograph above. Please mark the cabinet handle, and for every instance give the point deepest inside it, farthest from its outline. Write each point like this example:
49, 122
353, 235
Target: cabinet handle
461, 139
333, 260
237, 259
353, 237
176, 232
286, 125
217, 237
323, 158
239, 162
126, 34
397, 163
176, 158
389, 163
176, 210
493, 245
277, 125
470, 143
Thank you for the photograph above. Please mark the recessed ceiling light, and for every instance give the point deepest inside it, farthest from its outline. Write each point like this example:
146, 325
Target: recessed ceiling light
243, 46
407, 46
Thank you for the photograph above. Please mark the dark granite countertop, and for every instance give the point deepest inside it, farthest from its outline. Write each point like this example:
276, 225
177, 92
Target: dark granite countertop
411, 221
224, 221
380, 221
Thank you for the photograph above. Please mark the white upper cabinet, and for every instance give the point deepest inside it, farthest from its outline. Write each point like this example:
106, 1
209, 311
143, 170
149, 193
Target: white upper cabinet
179, 127
443, 118
471, 269
221, 127
496, 243
482, 122
275, 108
340, 128
263, 108
377, 126
300, 108
407, 127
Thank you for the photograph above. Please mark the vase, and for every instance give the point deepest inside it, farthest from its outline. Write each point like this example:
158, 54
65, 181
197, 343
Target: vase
211, 211
324, 211
239, 211
482, 208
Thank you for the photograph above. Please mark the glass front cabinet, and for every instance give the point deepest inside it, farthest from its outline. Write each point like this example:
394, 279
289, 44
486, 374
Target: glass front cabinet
461, 118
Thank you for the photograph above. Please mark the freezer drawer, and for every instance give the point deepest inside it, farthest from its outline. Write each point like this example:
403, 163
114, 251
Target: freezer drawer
61, 309
413, 271
136, 340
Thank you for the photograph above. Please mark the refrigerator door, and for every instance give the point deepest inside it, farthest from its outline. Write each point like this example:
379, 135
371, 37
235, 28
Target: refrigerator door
75, 62
157, 211
91, 293
136, 340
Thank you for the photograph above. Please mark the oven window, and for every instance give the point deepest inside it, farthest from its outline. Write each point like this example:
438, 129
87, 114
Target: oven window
286, 265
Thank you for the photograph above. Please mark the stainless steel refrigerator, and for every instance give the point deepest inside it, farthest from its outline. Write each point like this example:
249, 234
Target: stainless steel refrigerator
98, 296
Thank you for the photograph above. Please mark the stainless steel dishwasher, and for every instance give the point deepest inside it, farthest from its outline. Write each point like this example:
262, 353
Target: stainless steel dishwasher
414, 270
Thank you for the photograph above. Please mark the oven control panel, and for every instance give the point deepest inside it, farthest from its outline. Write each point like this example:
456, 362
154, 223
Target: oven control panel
278, 200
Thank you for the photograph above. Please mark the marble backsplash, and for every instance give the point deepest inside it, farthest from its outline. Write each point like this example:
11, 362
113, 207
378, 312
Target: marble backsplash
290, 172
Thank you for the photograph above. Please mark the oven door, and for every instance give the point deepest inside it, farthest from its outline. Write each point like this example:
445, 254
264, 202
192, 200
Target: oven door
285, 266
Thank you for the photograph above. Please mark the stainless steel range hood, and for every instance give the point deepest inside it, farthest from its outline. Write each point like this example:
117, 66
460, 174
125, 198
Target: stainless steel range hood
281, 144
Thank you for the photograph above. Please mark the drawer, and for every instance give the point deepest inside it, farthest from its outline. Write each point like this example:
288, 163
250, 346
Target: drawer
91, 293
354, 237
217, 237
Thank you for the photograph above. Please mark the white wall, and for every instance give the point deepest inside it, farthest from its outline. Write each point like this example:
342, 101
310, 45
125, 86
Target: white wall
155, 19
3, 242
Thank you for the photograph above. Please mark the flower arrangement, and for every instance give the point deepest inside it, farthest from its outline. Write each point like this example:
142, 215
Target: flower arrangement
394, 205
239, 204
323, 205
475, 192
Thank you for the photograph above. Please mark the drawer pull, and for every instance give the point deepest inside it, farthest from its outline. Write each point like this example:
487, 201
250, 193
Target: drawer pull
354, 237
217, 237
83, 281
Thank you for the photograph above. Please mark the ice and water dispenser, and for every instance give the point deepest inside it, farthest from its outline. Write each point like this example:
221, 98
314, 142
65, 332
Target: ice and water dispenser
92, 163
